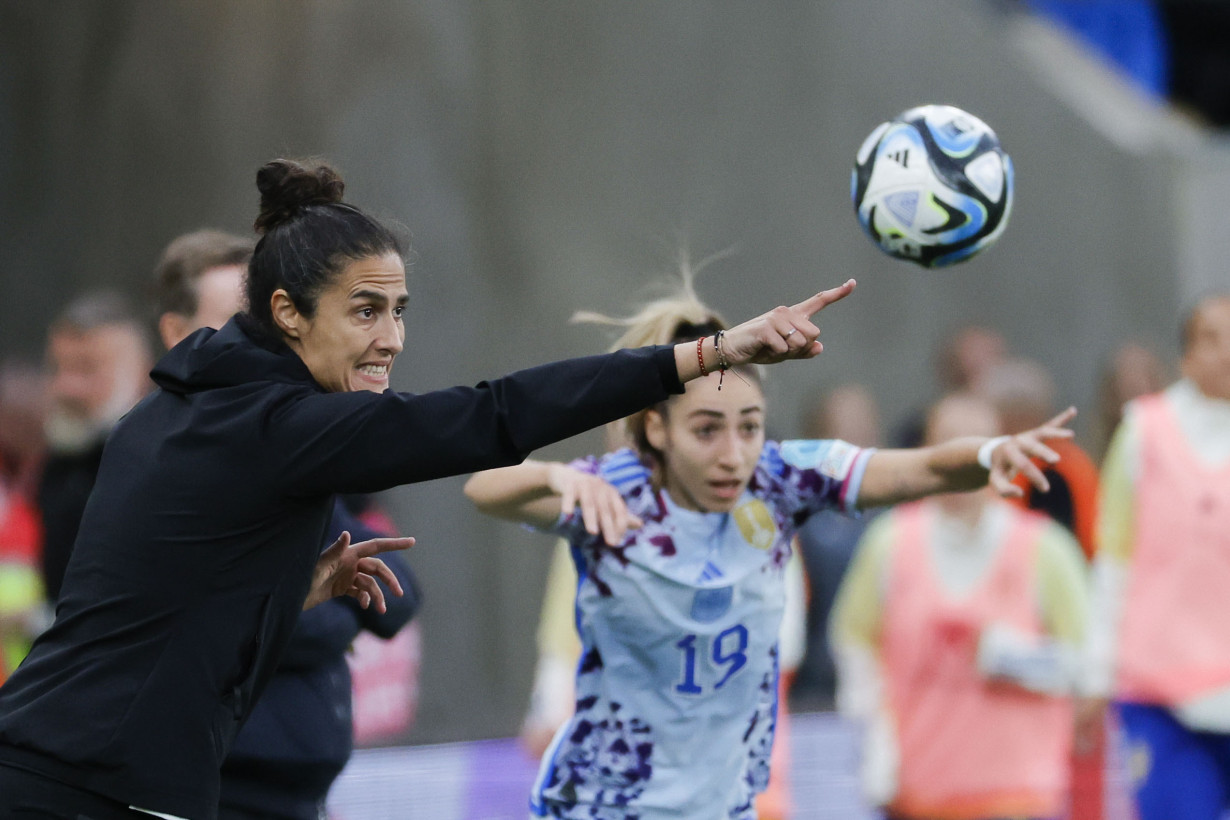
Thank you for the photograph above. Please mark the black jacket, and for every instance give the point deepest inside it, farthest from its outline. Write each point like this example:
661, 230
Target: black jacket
63, 490
197, 546
299, 735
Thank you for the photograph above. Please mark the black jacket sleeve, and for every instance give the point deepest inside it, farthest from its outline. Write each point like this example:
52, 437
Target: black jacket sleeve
365, 442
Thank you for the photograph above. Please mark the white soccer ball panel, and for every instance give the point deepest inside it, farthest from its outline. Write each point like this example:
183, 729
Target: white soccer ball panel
986, 171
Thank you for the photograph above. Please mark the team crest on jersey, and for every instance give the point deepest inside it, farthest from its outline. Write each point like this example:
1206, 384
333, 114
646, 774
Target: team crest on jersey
756, 523
710, 604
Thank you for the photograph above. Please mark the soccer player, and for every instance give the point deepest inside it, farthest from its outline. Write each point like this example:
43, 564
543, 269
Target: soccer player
681, 541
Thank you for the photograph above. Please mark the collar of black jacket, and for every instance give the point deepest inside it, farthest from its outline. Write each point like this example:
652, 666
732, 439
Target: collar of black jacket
236, 354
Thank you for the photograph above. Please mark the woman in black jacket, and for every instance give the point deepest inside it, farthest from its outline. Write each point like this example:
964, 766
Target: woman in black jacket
200, 542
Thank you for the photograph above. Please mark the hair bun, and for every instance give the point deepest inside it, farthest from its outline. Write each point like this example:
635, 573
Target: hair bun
287, 187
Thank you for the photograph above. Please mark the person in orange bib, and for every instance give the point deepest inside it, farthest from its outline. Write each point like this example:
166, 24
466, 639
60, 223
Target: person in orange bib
956, 634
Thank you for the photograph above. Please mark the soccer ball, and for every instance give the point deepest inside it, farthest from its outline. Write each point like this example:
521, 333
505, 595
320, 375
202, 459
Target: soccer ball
932, 186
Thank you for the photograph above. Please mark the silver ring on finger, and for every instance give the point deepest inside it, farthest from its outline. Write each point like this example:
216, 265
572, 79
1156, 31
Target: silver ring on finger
790, 332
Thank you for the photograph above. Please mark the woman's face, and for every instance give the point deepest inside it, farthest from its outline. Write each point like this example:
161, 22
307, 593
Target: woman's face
357, 331
1207, 360
710, 440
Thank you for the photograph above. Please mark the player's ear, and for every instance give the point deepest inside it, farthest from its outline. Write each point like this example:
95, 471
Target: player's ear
655, 430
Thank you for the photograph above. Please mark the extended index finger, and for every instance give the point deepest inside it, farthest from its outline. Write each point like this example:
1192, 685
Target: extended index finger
1062, 419
378, 545
825, 298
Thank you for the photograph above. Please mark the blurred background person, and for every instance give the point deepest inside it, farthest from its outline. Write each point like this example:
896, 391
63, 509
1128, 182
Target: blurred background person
1131, 371
826, 541
957, 632
300, 733
1022, 390
23, 412
98, 357
21, 586
960, 361
1024, 395
1160, 637
198, 282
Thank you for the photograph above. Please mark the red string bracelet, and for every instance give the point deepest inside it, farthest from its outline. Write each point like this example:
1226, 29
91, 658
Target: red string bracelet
700, 356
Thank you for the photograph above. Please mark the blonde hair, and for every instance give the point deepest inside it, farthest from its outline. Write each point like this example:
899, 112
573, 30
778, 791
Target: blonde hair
677, 316
660, 321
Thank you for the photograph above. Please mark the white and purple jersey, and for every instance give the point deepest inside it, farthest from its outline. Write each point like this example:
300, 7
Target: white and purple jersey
677, 682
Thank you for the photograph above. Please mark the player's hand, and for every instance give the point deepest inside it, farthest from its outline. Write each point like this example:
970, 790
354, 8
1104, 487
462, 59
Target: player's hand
602, 507
345, 569
782, 333
1016, 453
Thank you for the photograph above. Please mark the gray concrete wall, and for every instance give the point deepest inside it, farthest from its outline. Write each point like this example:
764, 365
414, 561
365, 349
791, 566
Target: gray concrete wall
548, 156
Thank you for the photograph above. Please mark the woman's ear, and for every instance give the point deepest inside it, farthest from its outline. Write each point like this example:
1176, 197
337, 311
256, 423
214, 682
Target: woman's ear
655, 430
172, 329
285, 315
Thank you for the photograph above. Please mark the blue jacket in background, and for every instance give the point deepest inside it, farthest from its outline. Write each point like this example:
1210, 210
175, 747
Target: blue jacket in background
300, 733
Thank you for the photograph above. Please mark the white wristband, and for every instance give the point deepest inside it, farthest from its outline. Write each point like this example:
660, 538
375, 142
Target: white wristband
988, 447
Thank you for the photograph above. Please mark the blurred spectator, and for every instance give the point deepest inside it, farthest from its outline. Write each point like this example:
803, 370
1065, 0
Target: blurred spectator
1132, 371
23, 411
1158, 640
827, 540
553, 696
21, 586
299, 735
956, 633
99, 360
198, 282
959, 362
1023, 394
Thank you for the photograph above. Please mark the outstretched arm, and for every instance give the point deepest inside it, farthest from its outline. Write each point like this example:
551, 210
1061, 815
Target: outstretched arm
539, 492
360, 442
894, 476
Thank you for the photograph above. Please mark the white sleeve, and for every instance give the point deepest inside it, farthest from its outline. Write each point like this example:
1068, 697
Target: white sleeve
792, 636
860, 697
1097, 669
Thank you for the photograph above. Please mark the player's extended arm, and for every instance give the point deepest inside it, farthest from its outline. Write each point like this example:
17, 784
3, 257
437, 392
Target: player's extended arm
894, 476
539, 492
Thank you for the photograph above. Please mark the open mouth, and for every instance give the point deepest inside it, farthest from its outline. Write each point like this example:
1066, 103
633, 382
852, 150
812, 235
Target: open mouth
726, 489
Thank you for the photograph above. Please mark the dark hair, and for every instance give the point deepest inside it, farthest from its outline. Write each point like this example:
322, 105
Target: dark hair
94, 309
91, 310
186, 259
308, 236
